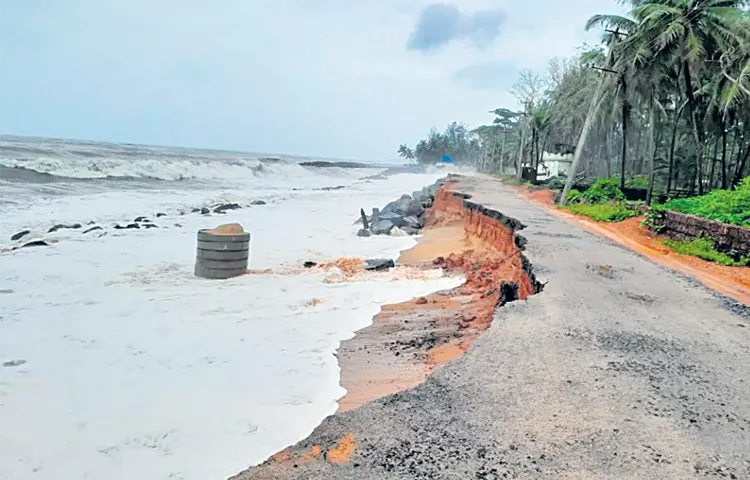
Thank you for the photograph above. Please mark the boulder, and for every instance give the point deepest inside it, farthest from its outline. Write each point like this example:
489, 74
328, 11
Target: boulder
35, 243
258, 202
60, 226
381, 227
422, 221
141, 219
378, 264
397, 232
363, 233
150, 225
205, 211
92, 229
394, 218
309, 264
423, 197
161, 214
226, 206
195, 210
129, 226
19, 235
410, 230
412, 222
405, 206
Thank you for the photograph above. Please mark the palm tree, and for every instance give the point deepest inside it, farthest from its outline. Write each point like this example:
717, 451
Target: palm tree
690, 32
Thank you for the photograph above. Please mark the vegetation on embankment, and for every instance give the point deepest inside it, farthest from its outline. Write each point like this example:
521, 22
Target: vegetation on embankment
727, 206
704, 248
603, 202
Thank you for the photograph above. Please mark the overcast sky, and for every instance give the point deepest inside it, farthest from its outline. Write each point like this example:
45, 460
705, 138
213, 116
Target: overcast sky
334, 78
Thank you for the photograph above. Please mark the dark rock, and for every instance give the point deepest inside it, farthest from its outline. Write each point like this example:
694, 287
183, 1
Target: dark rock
396, 219
405, 206
411, 222
309, 264
91, 223
421, 301
161, 214
92, 229
195, 210
375, 213
382, 227
424, 197
14, 363
410, 230
19, 235
378, 264
60, 226
178, 225
364, 233
141, 219
226, 206
422, 221
258, 202
35, 243
365, 223
150, 225
338, 187
129, 226
205, 211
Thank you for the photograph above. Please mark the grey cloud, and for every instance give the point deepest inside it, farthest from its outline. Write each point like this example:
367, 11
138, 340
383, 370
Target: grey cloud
440, 24
497, 75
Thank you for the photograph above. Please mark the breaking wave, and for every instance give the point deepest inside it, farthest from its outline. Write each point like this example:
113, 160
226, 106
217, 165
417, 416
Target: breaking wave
49, 160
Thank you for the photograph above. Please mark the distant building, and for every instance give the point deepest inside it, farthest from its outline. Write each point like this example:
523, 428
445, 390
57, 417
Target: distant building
553, 165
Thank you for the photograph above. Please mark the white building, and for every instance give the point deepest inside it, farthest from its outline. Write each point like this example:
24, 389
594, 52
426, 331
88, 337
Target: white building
553, 165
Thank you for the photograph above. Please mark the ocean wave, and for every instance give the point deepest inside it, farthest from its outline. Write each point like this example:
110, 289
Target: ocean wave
47, 169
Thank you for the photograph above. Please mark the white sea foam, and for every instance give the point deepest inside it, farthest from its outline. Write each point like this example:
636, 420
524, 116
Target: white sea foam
136, 369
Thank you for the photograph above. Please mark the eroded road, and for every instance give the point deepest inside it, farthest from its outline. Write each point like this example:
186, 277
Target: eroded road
619, 369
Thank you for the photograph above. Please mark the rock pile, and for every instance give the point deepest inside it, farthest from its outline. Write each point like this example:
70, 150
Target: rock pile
405, 216
22, 239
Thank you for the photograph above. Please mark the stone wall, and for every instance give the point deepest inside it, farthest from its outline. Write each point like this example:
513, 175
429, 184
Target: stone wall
730, 239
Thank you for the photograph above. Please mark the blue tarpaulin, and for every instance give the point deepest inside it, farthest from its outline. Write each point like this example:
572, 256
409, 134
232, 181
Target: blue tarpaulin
447, 159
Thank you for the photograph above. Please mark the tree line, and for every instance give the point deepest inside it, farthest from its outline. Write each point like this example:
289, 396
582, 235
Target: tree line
666, 95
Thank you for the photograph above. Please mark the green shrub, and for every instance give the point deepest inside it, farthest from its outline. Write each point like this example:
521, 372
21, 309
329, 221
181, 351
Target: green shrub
636, 181
705, 249
557, 183
604, 190
603, 212
722, 205
574, 196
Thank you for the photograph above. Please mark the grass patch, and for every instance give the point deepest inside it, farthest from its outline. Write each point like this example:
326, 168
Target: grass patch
727, 206
602, 212
704, 248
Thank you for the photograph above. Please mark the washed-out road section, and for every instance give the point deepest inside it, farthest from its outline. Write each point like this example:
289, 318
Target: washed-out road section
619, 369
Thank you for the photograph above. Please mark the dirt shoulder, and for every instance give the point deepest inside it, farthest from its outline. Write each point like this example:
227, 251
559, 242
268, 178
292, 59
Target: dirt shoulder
619, 369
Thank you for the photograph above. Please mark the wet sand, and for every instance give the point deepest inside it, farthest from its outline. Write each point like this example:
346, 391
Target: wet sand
408, 341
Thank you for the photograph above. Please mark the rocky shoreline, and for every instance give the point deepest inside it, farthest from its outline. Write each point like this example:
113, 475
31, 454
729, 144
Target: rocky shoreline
405, 216
34, 238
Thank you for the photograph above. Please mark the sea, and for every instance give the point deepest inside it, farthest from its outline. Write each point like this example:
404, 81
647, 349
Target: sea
117, 362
